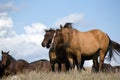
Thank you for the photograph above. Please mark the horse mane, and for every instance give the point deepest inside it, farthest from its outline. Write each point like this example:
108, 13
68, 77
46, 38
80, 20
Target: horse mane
39, 61
50, 30
11, 58
68, 25
68, 31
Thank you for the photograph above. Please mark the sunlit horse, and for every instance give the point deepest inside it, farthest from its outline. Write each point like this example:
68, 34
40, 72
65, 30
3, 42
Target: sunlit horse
90, 44
12, 66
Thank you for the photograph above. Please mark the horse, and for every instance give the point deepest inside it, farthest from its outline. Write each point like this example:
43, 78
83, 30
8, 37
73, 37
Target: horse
61, 54
41, 65
108, 68
1, 70
89, 44
58, 59
58, 62
12, 66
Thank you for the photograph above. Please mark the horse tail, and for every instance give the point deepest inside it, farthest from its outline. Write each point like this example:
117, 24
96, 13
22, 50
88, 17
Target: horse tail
113, 47
110, 49
116, 46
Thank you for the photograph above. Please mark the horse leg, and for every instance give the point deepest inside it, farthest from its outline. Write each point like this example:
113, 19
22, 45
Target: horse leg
63, 67
71, 62
82, 63
67, 65
59, 67
102, 56
52, 66
78, 61
95, 66
56, 67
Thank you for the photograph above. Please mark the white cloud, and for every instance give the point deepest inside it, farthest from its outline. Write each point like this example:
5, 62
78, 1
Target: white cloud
6, 24
5, 21
36, 28
73, 18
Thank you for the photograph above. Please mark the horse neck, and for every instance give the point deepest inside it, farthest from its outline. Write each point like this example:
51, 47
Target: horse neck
11, 60
68, 35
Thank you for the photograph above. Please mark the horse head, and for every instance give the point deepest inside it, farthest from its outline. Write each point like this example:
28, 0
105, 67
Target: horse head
63, 36
5, 58
48, 38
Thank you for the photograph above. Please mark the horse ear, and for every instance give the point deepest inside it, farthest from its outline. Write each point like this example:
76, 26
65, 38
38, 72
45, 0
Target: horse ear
2, 51
45, 30
61, 26
7, 52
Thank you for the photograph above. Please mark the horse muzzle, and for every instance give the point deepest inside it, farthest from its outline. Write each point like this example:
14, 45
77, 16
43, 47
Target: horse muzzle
43, 44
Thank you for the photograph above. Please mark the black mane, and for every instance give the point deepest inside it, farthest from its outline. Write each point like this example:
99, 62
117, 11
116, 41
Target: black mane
68, 25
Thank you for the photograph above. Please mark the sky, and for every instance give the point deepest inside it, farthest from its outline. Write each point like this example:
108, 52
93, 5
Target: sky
22, 23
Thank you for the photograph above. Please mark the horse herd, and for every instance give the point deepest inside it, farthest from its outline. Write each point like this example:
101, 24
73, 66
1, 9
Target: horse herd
68, 48
11, 66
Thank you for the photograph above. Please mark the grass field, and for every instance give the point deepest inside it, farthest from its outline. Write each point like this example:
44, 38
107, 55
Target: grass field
72, 75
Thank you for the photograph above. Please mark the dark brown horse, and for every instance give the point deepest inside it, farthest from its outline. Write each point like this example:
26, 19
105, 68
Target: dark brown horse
89, 44
57, 57
108, 68
1, 70
11, 66
41, 65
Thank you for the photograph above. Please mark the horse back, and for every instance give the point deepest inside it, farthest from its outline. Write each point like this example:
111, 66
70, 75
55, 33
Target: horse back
41, 65
90, 41
21, 65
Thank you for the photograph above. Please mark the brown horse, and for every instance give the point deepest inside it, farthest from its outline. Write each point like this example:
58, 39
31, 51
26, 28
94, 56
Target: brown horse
1, 70
11, 66
41, 65
57, 57
110, 69
89, 44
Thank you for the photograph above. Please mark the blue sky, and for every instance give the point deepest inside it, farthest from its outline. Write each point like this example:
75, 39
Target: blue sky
102, 14
26, 19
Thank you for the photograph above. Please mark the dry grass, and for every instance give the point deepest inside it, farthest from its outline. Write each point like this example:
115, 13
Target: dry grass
72, 75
